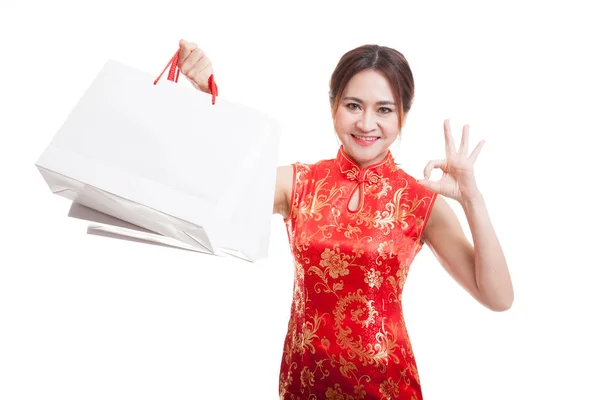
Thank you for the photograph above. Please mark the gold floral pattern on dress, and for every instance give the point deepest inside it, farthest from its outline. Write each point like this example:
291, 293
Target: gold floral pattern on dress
302, 339
336, 393
302, 242
397, 283
409, 211
346, 337
373, 278
378, 191
363, 315
299, 298
389, 389
334, 262
394, 212
314, 203
387, 249
286, 378
351, 231
359, 391
307, 377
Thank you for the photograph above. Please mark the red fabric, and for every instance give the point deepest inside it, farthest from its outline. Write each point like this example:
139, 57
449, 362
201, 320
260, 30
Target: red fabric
174, 76
346, 337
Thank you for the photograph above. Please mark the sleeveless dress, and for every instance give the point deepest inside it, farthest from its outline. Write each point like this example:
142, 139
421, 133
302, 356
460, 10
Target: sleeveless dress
346, 337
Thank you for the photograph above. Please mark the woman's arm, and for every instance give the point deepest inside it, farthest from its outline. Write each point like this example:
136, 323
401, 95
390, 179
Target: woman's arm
283, 190
481, 268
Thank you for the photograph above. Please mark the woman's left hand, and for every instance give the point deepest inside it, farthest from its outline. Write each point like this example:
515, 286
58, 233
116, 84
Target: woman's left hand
458, 180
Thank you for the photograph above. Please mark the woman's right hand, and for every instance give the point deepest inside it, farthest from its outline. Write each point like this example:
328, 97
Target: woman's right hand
195, 65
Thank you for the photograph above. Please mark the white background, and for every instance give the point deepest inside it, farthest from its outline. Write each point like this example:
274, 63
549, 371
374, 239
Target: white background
85, 317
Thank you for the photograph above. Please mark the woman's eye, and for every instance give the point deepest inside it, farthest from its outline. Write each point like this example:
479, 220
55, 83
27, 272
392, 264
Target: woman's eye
352, 106
385, 110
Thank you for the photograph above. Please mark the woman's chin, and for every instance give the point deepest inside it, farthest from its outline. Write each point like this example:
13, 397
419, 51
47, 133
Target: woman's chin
364, 156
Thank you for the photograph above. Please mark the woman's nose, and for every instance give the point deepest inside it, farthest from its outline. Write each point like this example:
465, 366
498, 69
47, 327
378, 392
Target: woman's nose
366, 122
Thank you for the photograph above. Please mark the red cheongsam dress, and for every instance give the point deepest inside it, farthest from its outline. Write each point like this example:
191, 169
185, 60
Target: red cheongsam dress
346, 337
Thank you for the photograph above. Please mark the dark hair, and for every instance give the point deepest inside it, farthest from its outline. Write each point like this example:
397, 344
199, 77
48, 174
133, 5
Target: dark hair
388, 61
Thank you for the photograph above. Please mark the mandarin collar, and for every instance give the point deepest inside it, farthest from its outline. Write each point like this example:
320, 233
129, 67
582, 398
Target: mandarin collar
371, 174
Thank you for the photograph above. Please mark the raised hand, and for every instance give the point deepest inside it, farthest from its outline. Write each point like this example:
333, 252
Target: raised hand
458, 180
195, 65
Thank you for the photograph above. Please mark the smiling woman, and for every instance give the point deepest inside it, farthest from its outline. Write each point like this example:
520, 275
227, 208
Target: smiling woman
371, 91
366, 125
355, 224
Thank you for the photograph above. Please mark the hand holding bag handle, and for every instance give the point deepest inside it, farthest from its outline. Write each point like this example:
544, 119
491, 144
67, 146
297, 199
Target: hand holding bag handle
174, 76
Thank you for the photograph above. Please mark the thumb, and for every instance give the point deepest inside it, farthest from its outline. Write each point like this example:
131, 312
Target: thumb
182, 42
433, 186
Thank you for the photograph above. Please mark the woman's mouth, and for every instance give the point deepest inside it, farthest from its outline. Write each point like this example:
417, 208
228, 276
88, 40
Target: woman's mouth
364, 140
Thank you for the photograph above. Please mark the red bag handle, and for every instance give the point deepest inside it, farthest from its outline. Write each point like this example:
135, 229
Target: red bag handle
173, 76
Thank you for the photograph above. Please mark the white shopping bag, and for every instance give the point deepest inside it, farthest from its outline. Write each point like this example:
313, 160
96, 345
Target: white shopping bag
164, 159
108, 226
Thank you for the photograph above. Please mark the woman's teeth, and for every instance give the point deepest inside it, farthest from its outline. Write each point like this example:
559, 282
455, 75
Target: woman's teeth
368, 138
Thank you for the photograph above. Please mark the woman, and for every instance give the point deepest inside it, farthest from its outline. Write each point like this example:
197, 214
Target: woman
356, 222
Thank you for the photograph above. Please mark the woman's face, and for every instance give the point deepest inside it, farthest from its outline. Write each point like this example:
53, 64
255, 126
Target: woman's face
366, 120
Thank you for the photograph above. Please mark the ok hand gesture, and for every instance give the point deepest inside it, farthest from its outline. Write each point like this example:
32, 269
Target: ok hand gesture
458, 180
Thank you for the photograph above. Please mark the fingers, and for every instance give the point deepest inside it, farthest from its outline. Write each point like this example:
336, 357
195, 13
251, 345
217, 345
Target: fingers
476, 151
185, 49
195, 62
450, 146
195, 65
433, 186
194, 55
441, 164
200, 73
464, 142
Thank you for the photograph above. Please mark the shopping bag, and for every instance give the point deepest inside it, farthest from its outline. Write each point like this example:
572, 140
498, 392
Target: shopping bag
165, 158
101, 224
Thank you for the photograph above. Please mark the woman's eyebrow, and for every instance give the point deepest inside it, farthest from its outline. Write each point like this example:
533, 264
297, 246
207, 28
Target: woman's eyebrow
380, 103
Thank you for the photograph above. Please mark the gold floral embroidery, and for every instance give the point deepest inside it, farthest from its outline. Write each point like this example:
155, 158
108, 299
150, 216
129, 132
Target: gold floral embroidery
389, 389
334, 262
380, 190
409, 210
303, 340
285, 380
307, 377
385, 220
419, 223
302, 242
359, 391
336, 393
314, 203
386, 249
350, 231
407, 354
347, 367
370, 353
299, 298
373, 278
